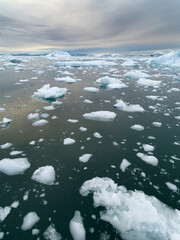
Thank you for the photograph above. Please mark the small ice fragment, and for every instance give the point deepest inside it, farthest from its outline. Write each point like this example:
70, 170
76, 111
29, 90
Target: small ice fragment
76, 227
104, 116
125, 163
171, 186
49, 108
33, 116
137, 127
4, 212
83, 129
157, 124
6, 145
51, 233
148, 159
40, 122
73, 120
97, 135
126, 107
148, 148
68, 141
29, 221
91, 89
85, 157
12, 153
14, 166
45, 175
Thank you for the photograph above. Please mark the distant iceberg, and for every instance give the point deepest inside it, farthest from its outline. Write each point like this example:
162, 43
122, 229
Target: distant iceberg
171, 59
58, 54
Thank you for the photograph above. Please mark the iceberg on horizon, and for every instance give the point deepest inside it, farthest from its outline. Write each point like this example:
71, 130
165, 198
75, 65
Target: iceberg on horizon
58, 54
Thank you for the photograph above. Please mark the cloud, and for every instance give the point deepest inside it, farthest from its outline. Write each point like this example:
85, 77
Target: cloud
89, 23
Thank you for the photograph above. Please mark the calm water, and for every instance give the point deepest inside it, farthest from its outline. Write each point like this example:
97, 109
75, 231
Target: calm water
63, 198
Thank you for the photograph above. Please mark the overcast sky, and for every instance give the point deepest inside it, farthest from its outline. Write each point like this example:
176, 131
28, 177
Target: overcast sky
89, 24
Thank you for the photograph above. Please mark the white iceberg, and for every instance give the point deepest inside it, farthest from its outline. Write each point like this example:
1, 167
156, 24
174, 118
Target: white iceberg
111, 83
104, 116
45, 175
6, 145
148, 148
29, 221
135, 215
66, 79
57, 54
14, 166
126, 107
33, 116
4, 213
76, 227
47, 92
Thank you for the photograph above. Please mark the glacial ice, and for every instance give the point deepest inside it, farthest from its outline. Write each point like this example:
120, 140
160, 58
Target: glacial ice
76, 227
148, 148
66, 79
104, 116
171, 186
45, 175
57, 54
135, 215
47, 92
126, 107
29, 221
14, 166
97, 135
33, 116
4, 212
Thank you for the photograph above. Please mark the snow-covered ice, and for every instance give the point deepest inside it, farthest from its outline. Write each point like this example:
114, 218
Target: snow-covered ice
45, 175
104, 116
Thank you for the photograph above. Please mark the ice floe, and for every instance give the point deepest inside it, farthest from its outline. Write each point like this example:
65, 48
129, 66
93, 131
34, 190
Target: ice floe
40, 122
14, 166
148, 159
76, 227
29, 221
171, 186
148, 148
148, 82
68, 141
4, 212
130, 63
85, 157
97, 135
66, 79
57, 54
6, 145
126, 107
137, 127
157, 124
33, 116
133, 214
104, 116
45, 175
91, 89
136, 74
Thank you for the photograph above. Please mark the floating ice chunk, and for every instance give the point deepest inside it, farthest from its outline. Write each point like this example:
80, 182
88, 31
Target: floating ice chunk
107, 80
83, 129
177, 117
6, 145
137, 127
4, 212
45, 175
91, 89
14, 166
76, 227
126, 107
87, 101
15, 204
95, 63
13, 153
73, 120
155, 98
68, 141
66, 79
24, 80
6, 120
48, 92
116, 86
1, 233
136, 74
2, 109
49, 108
33, 116
148, 82
85, 157
2, 69
44, 115
104, 116
171, 59
133, 214
51, 233
148, 159
171, 186
97, 135
157, 124
57, 54
148, 148
130, 63
29, 221
32, 142
40, 122
125, 163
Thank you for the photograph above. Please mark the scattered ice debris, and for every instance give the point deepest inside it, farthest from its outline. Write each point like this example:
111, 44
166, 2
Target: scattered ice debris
29, 221
33, 116
115, 144
124, 164
97, 135
87, 101
136, 74
73, 120
95, 63
66, 79
45, 175
76, 227
35, 231
157, 124
40, 122
148, 159
148, 148
148, 82
4, 212
171, 59
47, 92
14, 166
6, 145
171, 186
130, 63
13, 153
104, 116
126, 107
91, 89
137, 127
51, 233
1, 235
83, 129
85, 157
133, 214
68, 141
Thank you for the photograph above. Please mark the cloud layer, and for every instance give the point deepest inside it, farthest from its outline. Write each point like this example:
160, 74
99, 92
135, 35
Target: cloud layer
75, 24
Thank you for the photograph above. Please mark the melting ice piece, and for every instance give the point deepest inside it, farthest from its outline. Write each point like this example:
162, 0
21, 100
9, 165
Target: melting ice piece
33, 116
136, 74
40, 122
135, 215
73, 120
4, 212
171, 186
12, 153
68, 141
125, 163
148, 159
85, 157
29, 221
97, 135
126, 107
104, 116
45, 175
91, 89
14, 166
51, 233
76, 227
6, 145
157, 124
116, 85
83, 129
137, 127
2, 109
48, 92
148, 148
148, 82
107, 80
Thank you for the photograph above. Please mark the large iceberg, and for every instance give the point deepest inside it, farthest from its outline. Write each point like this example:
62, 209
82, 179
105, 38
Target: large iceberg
57, 54
135, 215
48, 92
171, 59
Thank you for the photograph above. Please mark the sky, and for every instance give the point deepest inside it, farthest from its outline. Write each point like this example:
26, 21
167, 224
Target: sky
89, 25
